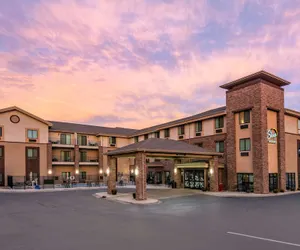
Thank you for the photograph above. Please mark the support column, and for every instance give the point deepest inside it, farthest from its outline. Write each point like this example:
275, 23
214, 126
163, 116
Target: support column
111, 179
177, 174
214, 174
77, 158
49, 159
141, 178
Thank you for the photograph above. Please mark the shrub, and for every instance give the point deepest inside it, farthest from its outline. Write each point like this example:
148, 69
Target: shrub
114, 191
282, 190
275, 191
134, 195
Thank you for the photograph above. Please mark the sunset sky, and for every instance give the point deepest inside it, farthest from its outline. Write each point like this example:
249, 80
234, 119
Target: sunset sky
136, 63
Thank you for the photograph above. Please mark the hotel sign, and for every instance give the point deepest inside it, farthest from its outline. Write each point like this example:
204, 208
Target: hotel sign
272, 135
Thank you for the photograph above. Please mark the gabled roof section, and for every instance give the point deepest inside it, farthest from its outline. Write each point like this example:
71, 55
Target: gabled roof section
15, 108
263, 75
208, 113
167, 146
90, 129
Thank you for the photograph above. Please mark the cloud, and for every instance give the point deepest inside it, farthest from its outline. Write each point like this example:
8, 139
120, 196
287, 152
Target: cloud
136, 63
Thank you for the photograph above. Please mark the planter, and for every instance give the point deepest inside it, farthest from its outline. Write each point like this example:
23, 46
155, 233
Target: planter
134, 195
114, 191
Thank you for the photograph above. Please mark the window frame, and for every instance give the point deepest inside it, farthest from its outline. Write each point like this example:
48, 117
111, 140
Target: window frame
1, 152
167, 133
180, 128
64, 141
245, 140
1, 131
32, 130
112, 140
80, 138
197, 126
298, 126
156, 134
31, 156
242, 115
136, 139
220, 143
221, 124
62, 154
146, 136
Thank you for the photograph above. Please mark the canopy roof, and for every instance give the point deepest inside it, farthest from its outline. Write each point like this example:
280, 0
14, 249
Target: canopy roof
163, 147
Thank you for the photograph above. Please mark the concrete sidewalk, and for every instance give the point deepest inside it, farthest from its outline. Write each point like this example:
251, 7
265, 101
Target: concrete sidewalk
253, 195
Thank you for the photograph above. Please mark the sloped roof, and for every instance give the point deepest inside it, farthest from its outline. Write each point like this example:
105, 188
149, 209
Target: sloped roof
167, 146
89, 129
264, 75
15, 108
207, 113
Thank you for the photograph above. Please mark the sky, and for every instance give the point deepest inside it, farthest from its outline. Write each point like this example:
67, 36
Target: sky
137, 63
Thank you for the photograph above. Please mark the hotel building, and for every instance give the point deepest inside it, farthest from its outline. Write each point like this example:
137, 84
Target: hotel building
259, 139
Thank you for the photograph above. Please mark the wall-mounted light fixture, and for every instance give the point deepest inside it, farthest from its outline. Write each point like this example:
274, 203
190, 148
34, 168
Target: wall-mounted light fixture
107, 171
211, 171
132, 171
136, 171
100, 171
50, 171
76, 171
175, 170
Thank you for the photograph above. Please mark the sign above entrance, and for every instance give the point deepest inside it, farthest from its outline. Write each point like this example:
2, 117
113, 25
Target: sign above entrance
272, 135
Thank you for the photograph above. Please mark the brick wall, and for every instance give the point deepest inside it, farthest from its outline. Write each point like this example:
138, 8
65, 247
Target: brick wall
257, 96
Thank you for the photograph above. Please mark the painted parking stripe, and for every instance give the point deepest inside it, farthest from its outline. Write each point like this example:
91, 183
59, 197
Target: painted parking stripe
265, 239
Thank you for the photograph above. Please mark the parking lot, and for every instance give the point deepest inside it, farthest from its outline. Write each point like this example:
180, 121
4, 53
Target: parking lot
77, 220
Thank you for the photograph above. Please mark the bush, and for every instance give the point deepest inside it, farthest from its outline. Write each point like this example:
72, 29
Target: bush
275, 191
134, 195
293, 189
282, 190
114, 191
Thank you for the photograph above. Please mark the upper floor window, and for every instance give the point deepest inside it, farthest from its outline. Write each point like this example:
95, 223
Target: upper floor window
198, 126
200, 144
146, 137
136, 139
220, 146
245, 117
167, 132
65, 139
1, 131
32, 134
219, 121
32, 153
245, 144
181, 130
1, 152
83, 156
82, 140
112, 140
156, 134
298, 126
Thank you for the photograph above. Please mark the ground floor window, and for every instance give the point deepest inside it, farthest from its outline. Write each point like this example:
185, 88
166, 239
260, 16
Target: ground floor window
245, 182
194, 179
66, 175
273, 182
290, 181
167, 177
82, 175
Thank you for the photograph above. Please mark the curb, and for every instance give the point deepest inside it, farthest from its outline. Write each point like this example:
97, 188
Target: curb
245, 195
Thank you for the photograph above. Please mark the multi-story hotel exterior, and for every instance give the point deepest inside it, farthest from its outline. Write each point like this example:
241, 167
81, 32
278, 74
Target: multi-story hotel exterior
259, 139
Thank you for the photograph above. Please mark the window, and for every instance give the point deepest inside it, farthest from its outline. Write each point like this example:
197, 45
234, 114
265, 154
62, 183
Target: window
167, 133
198, 126
245, 144
1, 152
65, 155
136, 139
146, 137
82, 140
200, 144
181, 130
245, 117
156, 134
112, 140
1, 131
219, 122
32, 134
65, 139
83, 156
82, 175
220, 146
299, 126
65, 175
290, 181
32, 153
273, 182
245, 182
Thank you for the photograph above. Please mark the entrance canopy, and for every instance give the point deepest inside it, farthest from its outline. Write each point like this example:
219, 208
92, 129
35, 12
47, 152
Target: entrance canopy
164, 148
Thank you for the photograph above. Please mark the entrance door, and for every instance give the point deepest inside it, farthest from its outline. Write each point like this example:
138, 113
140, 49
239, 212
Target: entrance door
194, 179
2, 167
32, 163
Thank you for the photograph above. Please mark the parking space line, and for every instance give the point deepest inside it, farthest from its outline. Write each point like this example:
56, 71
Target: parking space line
265, 239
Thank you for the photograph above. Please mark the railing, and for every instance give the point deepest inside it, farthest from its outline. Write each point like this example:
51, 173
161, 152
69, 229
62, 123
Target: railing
60, 141
89, 143
89, 159
63, 159
46, 182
